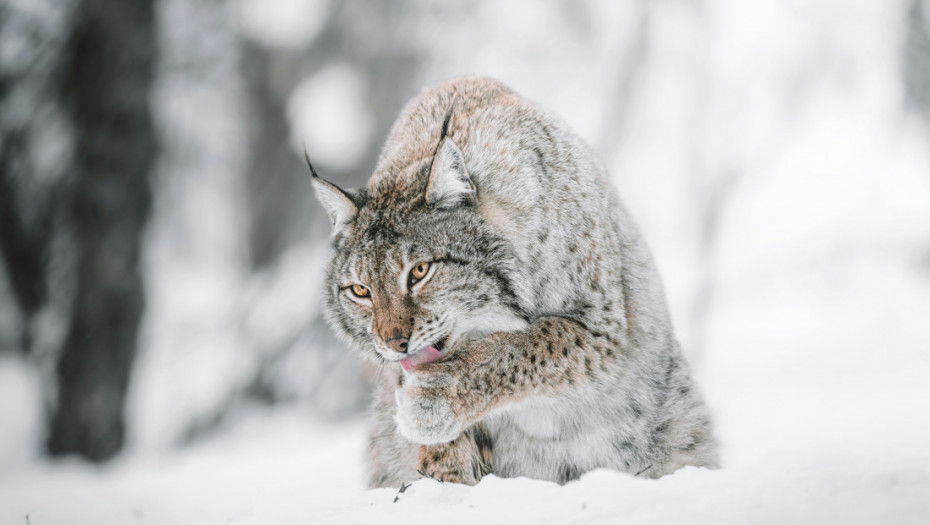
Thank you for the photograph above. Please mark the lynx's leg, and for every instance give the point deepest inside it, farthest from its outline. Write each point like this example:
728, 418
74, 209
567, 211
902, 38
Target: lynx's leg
391, 457
465, 460
439, 400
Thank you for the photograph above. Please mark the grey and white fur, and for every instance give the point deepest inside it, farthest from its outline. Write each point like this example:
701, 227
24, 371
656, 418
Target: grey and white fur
490, 231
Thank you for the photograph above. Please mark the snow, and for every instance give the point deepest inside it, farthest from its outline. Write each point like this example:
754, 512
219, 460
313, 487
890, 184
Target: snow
782, 465
21, 421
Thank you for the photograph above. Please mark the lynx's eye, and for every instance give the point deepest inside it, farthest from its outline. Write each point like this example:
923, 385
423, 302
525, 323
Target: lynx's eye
417, 273
360, 291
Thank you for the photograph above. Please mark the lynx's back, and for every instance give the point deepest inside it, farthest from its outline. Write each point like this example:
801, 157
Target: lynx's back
490, 232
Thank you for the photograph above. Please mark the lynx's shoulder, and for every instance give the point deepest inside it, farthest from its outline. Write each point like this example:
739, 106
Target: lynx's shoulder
413, 137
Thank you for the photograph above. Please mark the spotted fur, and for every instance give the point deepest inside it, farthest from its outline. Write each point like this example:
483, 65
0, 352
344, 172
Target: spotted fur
558, 353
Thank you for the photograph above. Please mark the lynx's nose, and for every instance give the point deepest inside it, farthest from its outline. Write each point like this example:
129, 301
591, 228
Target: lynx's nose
397, 344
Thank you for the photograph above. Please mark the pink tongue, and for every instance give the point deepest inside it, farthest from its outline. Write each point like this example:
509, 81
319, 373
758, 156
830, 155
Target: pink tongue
427, 355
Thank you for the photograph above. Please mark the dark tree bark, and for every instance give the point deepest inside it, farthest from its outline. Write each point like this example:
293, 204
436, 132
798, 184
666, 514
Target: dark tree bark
23, 246
112, 54
29, 78
278, 190
917, 58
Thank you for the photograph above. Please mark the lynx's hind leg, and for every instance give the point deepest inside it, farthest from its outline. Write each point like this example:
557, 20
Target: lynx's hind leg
465, 460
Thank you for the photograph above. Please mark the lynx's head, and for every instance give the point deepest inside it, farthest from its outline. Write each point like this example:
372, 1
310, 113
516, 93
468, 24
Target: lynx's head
414, 264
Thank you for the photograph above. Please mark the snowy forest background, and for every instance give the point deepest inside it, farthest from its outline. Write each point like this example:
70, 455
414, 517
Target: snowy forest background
161, 250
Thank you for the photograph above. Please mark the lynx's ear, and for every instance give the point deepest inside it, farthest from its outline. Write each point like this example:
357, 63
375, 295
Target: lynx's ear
337, 202
449, 184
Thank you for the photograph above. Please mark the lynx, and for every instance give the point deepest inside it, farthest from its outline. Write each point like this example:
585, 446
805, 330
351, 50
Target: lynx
513, 313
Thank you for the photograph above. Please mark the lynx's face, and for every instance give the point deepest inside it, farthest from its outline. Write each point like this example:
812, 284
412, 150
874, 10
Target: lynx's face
415, 265
397, 286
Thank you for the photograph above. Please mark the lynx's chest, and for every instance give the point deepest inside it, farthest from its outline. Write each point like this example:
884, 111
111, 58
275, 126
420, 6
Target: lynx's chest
538, 418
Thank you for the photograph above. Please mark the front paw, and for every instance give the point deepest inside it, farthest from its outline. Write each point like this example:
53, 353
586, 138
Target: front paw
425, 415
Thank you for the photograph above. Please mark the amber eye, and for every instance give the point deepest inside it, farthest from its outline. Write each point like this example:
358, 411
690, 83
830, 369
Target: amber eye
359, 291
418, 272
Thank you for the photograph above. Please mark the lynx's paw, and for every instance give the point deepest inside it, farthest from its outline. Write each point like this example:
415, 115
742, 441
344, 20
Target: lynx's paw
426, 418
441, 463
425, 414
438, 400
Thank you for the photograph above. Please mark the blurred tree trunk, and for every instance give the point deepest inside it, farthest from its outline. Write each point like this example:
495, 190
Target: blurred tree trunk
279, 190
107, 90
23, 243
917, 57
30, 177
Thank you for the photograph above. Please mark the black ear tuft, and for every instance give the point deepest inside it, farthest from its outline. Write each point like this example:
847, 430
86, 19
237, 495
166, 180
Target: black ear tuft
442, 135
445, 124
307, 158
